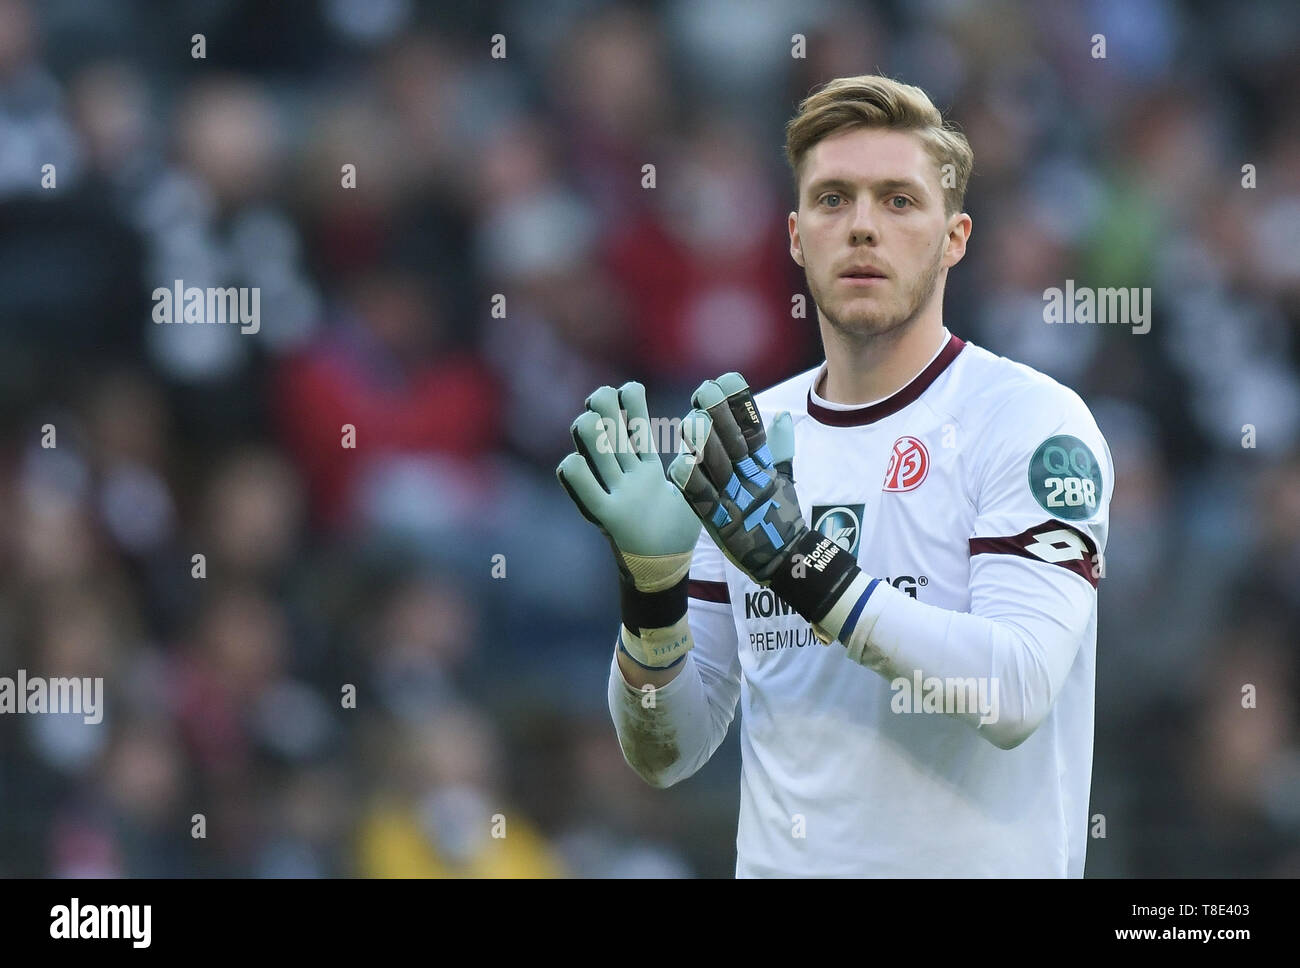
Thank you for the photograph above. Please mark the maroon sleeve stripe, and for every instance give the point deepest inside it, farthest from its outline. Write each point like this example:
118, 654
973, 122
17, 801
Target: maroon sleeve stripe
1054, 542
708, 591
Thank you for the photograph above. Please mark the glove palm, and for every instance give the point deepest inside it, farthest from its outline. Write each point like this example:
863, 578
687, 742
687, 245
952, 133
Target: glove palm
617, 481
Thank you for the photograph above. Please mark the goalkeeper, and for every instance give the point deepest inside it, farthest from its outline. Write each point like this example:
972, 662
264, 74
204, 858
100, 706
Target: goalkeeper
911, 628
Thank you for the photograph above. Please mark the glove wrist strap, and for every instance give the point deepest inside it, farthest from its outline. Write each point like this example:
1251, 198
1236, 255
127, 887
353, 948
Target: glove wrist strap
814, 575
651, 610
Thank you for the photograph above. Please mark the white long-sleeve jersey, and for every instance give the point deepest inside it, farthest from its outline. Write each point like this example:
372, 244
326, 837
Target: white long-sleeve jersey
979, 493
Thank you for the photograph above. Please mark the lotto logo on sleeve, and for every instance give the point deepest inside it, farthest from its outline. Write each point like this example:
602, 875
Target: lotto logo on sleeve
909, 463
1065, 478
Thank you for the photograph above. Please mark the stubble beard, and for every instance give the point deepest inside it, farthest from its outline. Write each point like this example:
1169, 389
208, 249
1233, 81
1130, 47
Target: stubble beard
868, 322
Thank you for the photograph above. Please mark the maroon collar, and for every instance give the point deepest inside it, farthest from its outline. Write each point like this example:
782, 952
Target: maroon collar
896, 401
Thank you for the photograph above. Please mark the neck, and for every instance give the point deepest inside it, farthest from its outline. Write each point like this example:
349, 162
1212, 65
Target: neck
863, 370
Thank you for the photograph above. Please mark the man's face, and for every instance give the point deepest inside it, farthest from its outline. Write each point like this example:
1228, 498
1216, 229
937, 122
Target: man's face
870, 201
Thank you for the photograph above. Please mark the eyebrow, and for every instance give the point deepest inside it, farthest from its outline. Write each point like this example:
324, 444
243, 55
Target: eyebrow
884, 185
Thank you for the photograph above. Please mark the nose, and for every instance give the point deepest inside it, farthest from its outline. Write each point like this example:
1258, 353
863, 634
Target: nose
862, 230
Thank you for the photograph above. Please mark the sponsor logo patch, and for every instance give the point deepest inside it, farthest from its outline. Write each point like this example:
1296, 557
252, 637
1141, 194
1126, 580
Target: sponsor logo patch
1065, 478
842, 523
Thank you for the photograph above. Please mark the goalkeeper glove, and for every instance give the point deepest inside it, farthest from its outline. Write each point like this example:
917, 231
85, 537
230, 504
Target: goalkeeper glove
618, 483
740, 483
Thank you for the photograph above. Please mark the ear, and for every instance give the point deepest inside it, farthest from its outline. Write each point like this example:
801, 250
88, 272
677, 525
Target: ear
796, 246
958, 234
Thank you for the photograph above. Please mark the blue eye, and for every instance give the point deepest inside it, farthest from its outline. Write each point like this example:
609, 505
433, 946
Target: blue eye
831, 195
905, 199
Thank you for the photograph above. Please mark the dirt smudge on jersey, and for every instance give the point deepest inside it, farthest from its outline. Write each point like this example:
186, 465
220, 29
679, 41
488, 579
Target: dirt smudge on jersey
650, 743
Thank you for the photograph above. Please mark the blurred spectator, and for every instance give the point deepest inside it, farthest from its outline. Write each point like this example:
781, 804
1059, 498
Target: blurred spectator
380, 372
442, 814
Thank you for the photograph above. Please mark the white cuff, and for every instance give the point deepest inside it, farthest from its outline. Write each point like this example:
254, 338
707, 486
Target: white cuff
658, 648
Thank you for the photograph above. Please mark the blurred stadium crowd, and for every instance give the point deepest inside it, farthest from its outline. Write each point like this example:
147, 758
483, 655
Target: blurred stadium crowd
482, 695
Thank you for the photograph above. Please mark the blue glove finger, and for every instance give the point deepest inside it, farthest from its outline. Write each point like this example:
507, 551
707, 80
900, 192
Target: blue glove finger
687, 473
712, 399
700, 437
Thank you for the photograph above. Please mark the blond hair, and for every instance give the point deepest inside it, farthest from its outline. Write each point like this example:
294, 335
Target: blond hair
873, 101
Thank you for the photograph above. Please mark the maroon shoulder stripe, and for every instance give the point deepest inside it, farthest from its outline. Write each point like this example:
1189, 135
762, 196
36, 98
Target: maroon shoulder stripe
1054, 542
708, 591
890, 405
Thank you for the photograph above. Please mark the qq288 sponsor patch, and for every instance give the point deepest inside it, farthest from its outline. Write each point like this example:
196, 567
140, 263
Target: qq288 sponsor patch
1065, 478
